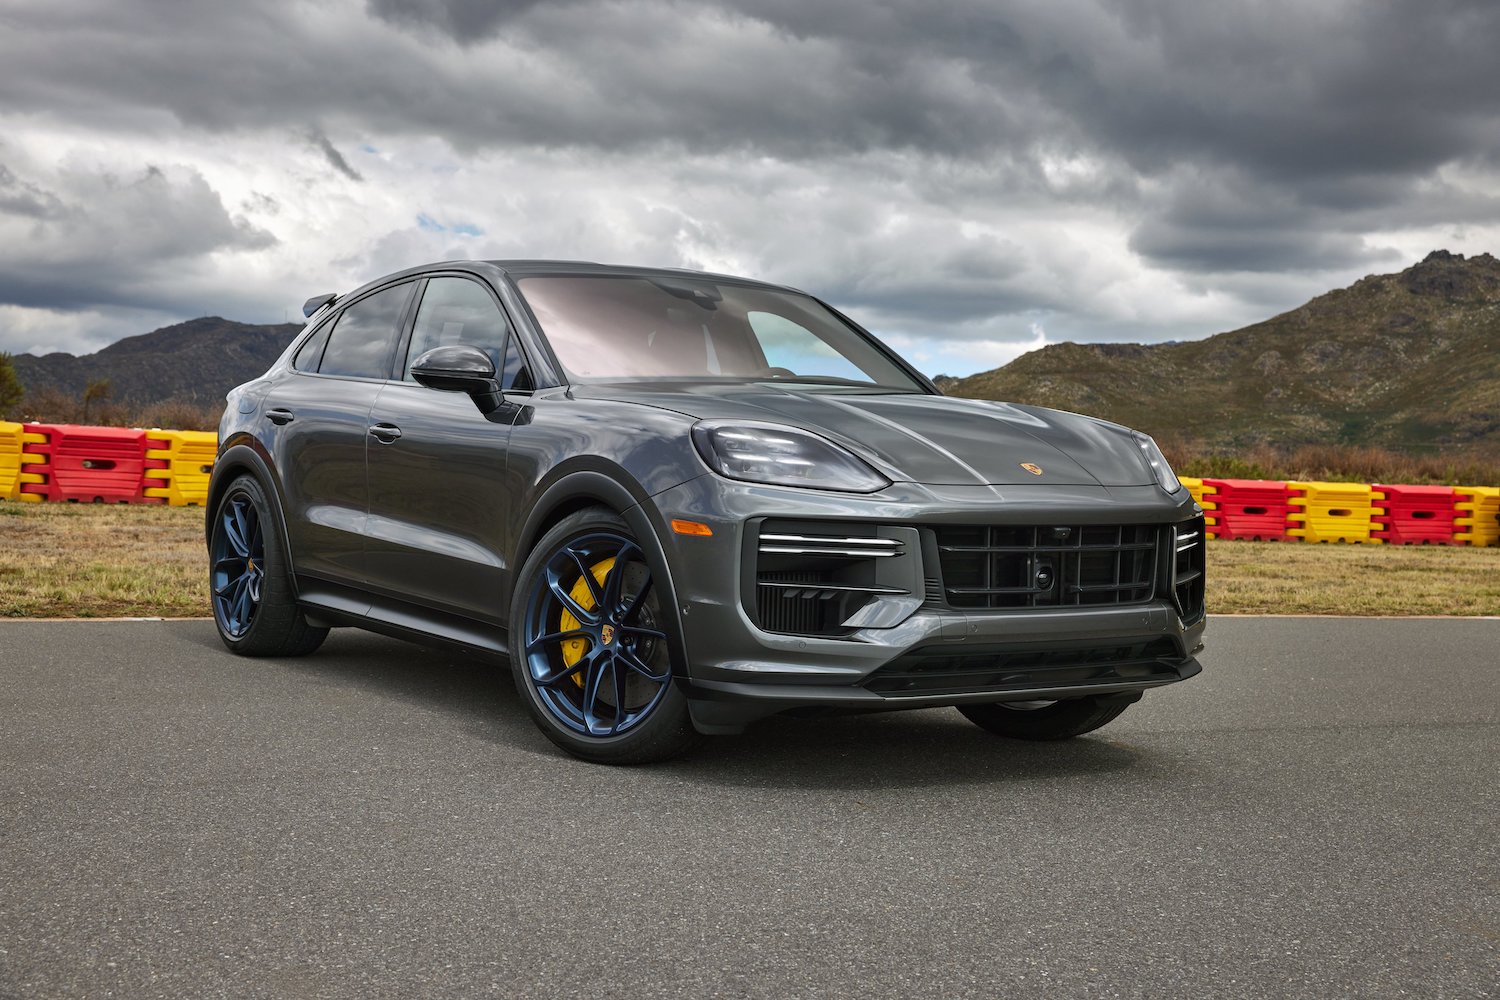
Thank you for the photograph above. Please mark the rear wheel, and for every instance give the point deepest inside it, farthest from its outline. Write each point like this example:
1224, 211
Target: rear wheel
590, 652
1049, 720
249, 586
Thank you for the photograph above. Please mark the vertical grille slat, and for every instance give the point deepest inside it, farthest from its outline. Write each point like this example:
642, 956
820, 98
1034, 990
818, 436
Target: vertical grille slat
999, 566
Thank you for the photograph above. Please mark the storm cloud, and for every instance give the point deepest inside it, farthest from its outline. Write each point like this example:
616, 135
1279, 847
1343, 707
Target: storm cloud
969, 178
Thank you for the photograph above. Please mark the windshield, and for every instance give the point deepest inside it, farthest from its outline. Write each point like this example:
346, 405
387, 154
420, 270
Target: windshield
607, 327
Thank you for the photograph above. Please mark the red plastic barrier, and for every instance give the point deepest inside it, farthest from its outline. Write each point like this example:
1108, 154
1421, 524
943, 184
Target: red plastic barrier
89, 464
1250, 508
1415, 515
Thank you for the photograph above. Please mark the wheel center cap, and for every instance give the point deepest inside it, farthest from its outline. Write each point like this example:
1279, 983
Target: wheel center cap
607, 634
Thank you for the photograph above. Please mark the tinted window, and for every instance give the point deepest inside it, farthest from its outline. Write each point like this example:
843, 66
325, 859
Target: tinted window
457, 311
609, 327
311, 352
364, 336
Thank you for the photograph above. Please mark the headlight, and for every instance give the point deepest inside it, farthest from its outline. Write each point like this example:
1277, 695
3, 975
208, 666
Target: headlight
782, 456
1157, 462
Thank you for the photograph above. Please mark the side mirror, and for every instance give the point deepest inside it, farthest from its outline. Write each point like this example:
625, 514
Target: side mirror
460, 368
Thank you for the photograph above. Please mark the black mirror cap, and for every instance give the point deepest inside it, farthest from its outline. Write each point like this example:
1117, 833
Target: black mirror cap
459, 368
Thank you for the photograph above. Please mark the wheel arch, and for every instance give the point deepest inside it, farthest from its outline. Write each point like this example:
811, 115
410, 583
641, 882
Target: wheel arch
240, 456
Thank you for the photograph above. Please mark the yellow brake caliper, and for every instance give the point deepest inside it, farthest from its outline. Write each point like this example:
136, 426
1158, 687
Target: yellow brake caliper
573, 649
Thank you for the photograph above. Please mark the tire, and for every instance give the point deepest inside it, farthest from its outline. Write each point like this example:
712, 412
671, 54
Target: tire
254, 606
1042, 721
575, 668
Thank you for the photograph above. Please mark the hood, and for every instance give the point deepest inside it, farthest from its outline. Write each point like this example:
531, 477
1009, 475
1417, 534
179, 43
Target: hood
937, 440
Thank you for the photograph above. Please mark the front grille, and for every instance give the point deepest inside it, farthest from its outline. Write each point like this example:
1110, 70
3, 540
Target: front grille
942, 670
1002, 566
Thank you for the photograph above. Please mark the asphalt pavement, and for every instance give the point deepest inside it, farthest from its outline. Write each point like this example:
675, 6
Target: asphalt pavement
1313, 816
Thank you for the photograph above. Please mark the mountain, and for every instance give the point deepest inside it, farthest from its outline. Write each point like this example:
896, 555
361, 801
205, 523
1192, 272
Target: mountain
1407, 360
197, 361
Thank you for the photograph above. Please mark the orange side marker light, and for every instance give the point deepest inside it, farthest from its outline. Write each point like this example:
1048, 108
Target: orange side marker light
691, 528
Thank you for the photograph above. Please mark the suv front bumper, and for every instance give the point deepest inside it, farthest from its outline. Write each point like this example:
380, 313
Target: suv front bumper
938, 655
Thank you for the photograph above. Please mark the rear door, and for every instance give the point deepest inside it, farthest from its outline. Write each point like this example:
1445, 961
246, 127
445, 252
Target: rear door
317, 427
438, 508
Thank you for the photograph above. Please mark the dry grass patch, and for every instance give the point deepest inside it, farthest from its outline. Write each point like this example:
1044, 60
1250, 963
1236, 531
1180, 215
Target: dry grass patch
1299, 578
92, 560
63, 560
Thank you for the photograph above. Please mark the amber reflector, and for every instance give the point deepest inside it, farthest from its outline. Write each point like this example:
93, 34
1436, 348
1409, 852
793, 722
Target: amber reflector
691, 528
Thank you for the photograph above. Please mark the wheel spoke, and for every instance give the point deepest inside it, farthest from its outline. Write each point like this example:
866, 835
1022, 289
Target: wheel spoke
551, 637
619, 676
588, 576
591, 695
233, 535
650, 633
634, 662
615, 581
575, 609
562, 675
636, 602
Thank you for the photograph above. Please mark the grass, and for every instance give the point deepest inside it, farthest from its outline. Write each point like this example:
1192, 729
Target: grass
62, 560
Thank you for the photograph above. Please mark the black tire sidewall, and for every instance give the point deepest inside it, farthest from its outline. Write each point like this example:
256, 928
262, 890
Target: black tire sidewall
666, 732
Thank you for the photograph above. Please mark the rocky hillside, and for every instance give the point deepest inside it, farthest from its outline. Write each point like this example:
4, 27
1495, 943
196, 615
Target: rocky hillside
1402, 360
199, 361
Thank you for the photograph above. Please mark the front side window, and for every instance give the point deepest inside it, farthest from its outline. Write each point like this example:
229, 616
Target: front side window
608, 327
457, 311
364, 337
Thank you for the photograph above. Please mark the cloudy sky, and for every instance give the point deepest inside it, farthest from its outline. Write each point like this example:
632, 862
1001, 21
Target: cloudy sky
969, 178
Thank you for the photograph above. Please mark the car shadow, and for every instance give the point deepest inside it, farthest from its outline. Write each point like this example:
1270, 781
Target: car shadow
883, 750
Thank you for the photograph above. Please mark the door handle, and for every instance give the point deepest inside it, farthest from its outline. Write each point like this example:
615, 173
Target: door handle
280, 415
385, 433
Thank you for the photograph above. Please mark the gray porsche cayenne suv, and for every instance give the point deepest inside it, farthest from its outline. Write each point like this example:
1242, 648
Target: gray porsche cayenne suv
679, 502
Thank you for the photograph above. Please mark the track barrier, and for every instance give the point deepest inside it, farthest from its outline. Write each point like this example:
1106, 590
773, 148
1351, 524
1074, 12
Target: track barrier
1478, 521
1331, 512
178, 464
1415, 515
1250, 508
86, 464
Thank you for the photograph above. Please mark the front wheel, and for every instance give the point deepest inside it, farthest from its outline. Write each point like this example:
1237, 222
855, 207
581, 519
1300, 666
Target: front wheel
1049, 720
590, 648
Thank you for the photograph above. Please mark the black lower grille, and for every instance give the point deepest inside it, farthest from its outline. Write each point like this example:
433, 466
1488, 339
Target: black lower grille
1187, 569
940, 670
1002, 566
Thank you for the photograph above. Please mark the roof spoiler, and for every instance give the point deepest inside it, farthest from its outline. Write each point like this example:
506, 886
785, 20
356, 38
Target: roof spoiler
317, 302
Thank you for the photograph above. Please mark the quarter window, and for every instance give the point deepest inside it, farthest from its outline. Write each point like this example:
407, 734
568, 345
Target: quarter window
364, 338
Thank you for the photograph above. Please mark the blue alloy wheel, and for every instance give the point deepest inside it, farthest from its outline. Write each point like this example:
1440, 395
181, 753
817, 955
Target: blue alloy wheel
239, 561
595, 654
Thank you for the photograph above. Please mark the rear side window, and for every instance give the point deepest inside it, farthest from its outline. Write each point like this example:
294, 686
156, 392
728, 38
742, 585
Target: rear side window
364, 336
311, 352
457, 311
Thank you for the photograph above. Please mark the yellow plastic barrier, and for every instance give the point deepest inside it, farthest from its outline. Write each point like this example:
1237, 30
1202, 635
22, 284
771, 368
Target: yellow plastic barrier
10, 460
1332, 512
14, 458
1478, 520
178, 464
1204, 496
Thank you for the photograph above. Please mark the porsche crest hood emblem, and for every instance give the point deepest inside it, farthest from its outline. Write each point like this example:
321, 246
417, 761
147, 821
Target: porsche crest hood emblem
1035, 470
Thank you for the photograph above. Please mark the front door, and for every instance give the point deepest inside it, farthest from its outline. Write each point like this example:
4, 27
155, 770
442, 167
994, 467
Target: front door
437, 466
